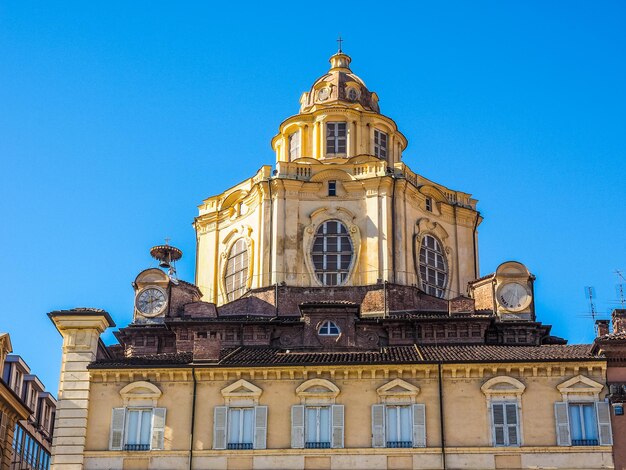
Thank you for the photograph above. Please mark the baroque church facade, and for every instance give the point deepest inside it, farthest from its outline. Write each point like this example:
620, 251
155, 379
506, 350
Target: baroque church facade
337, 320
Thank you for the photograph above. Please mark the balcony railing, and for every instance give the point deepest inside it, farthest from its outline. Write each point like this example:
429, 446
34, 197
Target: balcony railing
317, 445
399, 444
584, 442
239, 446
134, 447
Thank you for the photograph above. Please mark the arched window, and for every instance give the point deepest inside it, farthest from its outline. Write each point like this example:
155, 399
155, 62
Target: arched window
329, 328
332, 253
236, 270
433, 269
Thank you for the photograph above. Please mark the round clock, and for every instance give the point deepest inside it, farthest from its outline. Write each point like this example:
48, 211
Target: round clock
323, 94
151, 301
513, 296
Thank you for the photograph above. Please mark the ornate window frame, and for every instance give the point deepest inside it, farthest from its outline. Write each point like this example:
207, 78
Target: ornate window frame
242, 232
140, 394
317, 392
425, 226
241, 394
504, 389
318, 217
580, 389
388, 394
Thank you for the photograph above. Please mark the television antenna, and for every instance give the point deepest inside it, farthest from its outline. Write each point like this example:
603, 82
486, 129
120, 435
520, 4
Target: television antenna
590, 293
620, 287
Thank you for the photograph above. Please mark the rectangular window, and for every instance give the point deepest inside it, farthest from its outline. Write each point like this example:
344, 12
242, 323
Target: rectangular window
332, 188
399, 426
138, 429
583, 424
335, 138
294, 145
505, 424
380, 144
429, 204
317, 427
240, 428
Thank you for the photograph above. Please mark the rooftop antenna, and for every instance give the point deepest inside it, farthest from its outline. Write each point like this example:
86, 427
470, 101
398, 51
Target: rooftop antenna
167, 255
620, 287
590, 293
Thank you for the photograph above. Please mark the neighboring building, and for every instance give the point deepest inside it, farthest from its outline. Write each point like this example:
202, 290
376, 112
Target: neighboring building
613, 347
337, 321
25, 438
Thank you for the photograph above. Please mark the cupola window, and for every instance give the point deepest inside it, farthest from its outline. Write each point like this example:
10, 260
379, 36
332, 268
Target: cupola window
433, 269
236, 270
353, 95
332, 253
332, 188
335, 137
294, 145
329, 328
380, 144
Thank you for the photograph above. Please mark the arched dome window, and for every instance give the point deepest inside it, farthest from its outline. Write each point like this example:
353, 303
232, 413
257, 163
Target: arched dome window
433, 267
236, 270
332, 253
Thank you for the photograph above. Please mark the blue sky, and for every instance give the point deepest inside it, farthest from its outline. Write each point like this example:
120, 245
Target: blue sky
118, 118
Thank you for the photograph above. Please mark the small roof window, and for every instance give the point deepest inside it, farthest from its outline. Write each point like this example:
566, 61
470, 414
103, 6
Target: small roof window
329, 328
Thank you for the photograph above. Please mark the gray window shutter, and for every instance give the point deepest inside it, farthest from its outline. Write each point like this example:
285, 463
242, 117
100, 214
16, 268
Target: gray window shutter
116, 439
220, 415
497, 416
158, 428
604, 423
419, 425
260, 427
297, 427
512, 424
378, 426
337, 426
562, 424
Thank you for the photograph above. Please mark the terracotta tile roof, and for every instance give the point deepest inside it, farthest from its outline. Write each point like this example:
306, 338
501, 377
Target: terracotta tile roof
238, 319
257, 356
613, 337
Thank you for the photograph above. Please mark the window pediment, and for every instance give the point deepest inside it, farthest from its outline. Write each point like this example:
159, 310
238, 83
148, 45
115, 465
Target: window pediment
140, 394
580, 388
241, 393
397, 391
317, 391
503, 385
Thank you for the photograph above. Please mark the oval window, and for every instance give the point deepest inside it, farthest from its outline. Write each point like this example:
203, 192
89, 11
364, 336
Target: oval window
332, 253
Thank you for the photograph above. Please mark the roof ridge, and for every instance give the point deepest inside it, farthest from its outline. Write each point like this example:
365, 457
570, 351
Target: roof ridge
417, 350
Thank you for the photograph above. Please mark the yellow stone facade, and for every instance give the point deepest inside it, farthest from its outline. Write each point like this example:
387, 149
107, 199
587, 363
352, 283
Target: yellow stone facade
387, 207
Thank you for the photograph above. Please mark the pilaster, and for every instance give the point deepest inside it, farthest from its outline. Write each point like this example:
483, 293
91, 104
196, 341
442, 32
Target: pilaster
81, 330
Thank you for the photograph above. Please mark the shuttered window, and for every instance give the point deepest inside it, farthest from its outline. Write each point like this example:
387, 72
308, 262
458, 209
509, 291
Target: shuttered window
505, 424
399, 426
583, 424
240, 428
335, 137
137, 429
396, 426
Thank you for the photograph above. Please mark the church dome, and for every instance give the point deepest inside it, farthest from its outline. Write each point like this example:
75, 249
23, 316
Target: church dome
339, 87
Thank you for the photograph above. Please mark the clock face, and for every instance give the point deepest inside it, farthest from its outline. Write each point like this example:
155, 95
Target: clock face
513, 296
151, 301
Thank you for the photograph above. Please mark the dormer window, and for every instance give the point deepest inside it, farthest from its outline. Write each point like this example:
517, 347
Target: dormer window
429, 204
335, 137
353, 95
329, 328
294, 145
380, 144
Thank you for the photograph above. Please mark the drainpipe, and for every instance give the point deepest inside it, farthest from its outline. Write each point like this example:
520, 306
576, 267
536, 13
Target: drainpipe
193, 416
441, 423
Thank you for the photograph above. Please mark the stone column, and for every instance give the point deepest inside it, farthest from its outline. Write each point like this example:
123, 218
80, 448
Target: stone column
81, 330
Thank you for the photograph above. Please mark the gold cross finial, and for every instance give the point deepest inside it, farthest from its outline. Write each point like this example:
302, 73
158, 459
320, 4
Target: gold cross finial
339, 41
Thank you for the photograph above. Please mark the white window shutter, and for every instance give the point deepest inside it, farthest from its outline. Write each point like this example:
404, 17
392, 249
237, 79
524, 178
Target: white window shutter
116, 439
260, 427
220, 414
158, 428
378, 426
336, 420
497, 417
562, 424
604, 423
297, 427
419, 425
512, 424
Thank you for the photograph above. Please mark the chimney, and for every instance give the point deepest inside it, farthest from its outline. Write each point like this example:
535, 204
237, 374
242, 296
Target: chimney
619, 320
602, 327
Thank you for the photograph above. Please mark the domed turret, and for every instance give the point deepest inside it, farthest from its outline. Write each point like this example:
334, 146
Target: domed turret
339, 87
